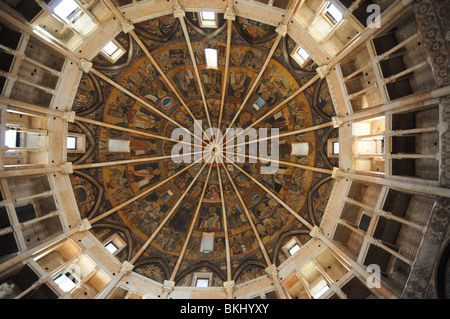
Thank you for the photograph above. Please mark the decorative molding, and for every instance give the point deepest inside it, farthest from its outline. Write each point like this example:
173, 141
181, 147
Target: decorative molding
229, 286
85, 65
69, 116
168, 286
315, 232
84, 225
336, 172
126, 268
127, 26
337, 122
66, 168
271, 270
6, 289
179, 12
322, 71
282, 29
230, 14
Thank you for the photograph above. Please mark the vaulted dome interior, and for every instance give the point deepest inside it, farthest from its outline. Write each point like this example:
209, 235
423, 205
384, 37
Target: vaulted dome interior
116, 184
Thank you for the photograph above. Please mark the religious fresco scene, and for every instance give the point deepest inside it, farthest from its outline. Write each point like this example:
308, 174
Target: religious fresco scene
164, 211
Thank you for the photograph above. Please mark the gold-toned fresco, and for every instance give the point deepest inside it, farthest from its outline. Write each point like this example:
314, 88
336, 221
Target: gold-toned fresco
164, 39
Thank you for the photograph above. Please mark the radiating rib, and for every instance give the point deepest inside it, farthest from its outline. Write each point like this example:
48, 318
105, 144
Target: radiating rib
226, 72
249, 218
121, 18
144, 193
143, 102
306, 167
166, 218
225, 225
300, 131
280, 105
191, 228
256, 81
195, 66
268, 191
131, 161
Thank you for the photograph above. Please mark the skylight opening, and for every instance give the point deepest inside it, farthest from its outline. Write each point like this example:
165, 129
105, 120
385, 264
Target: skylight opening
294, 249
259, 103
318, 294
111, 247
67, 9
10, 138
66, 281
73, 14
211, 58
333, 13
71, 143
208, 19
302, 53
208, 15
110, 48
335, 148
202, 282
301, 56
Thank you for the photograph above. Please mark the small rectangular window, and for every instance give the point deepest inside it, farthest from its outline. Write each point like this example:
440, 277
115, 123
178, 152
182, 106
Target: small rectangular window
301, 56
300, 149
208, 19
66, 281
207, 244
110, 48
202, 282
294, 249
259, 102
11, 138
333, 13
67, 9
71, 142
208, 15
335, 148
119, 146
72, 13
318, 294
111, 247
211, 58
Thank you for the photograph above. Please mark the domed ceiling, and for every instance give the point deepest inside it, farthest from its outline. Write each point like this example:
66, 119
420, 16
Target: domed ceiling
97, 190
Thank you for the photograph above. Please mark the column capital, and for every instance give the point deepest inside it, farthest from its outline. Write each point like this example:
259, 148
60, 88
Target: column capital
322, 71
168, 286
66, 168
272, 270
126, 268
179, 12
229, 286
336, 172
315, 232
6, 289
282, 29
85, 65
84, 225
230, 14
69, 116
127, 26
337, 122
